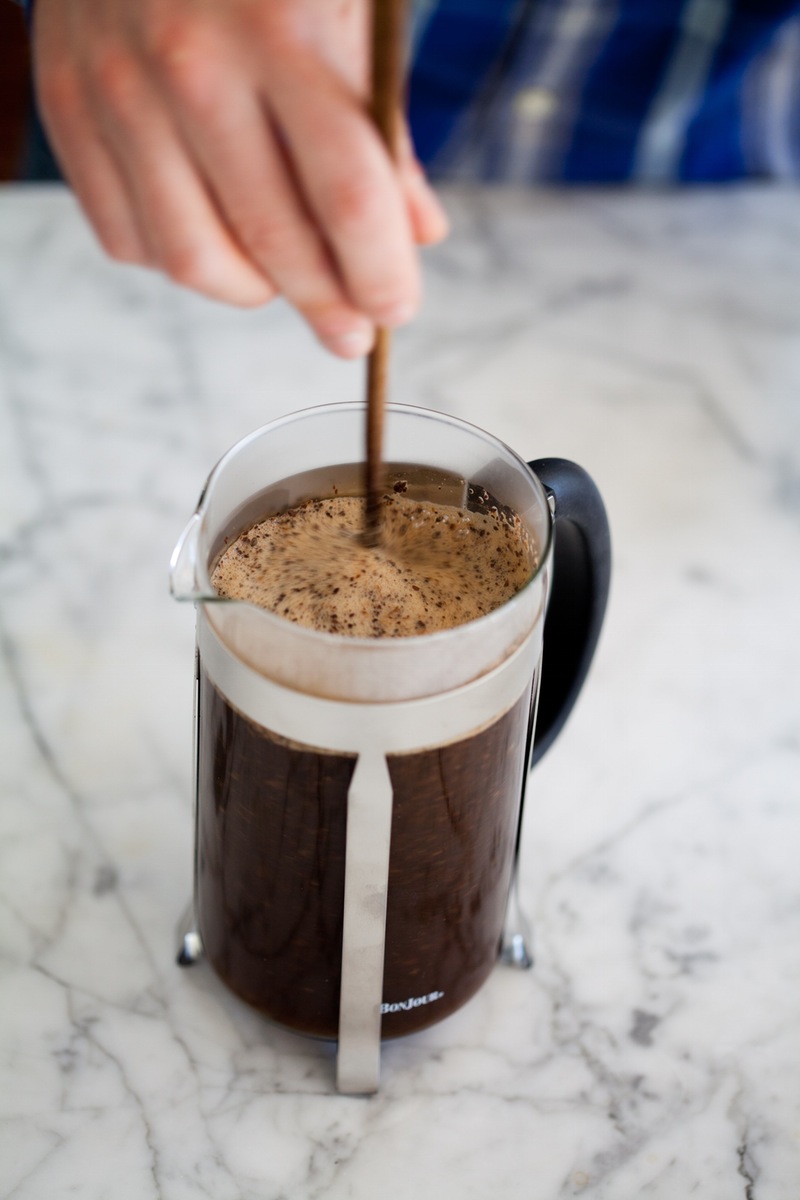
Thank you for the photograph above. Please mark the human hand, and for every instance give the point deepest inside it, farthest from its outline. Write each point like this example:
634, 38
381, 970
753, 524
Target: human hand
227, 143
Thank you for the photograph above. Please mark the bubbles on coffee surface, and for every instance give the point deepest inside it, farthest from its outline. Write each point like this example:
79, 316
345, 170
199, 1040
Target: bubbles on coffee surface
438, 566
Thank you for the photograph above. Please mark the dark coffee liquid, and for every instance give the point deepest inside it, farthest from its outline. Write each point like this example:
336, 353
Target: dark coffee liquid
270, 867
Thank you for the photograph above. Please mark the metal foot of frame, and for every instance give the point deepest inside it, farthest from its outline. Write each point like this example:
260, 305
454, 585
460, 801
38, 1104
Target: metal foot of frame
516, 946
190, 945
514, 952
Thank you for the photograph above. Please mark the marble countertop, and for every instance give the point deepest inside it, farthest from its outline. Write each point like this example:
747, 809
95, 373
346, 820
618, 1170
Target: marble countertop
654, 1050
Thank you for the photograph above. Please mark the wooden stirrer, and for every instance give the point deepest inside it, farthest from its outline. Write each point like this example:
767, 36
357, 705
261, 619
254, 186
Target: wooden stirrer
388, 47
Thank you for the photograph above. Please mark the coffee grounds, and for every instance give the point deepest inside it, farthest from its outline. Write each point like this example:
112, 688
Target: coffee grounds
437, 566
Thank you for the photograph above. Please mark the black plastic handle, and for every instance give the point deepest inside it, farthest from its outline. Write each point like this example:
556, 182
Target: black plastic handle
581, 575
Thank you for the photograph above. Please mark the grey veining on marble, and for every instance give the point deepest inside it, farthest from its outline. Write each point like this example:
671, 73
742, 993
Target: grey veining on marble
654, 1050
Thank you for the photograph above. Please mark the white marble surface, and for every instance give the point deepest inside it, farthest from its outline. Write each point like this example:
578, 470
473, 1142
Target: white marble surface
654, 1051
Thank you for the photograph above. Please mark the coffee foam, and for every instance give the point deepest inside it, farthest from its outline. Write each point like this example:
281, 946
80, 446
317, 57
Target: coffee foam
437, 566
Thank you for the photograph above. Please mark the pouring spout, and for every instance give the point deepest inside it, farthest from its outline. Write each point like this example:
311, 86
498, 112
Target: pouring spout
185, 568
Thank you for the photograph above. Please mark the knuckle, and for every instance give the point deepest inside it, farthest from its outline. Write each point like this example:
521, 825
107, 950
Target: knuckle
276, 25
266, 240
115, 75
185, 265
351, 202
59, 92
184, 57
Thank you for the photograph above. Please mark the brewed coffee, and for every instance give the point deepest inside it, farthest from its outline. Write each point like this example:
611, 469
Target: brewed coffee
271, 853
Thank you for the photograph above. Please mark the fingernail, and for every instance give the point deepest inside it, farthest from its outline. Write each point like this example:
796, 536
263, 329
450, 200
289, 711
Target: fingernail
354, 344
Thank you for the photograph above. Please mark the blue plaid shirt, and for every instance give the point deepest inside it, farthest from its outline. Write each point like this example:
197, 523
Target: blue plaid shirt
600, 91
603, 91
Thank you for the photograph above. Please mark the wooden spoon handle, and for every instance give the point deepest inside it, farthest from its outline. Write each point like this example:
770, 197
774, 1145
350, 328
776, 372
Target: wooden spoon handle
388, 67
388, 48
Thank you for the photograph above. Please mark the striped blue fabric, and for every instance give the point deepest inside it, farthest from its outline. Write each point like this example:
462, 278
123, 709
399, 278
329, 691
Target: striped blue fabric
440, 95
605, 91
